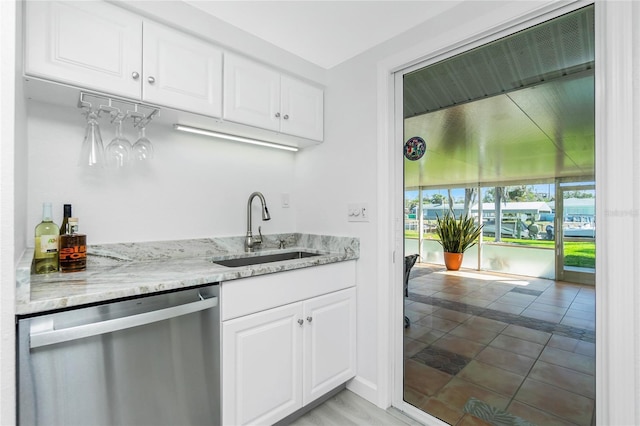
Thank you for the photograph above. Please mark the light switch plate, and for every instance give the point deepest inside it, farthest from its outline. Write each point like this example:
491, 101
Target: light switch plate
285, 201
358, 212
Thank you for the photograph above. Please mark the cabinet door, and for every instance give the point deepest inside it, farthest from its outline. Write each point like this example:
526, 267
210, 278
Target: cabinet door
88, 44
251, 93
302, 109
181, 71
329, 342
261, 359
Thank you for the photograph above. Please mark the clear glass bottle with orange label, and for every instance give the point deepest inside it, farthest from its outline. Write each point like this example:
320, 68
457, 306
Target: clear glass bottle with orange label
73, 248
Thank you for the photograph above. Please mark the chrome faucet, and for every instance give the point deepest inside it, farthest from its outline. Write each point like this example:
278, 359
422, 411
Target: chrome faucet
250, 242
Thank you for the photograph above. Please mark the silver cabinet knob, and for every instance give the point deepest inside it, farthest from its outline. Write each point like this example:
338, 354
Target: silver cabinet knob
135, 75
151, 79
277, 115
286, 117
300, 321
309, 319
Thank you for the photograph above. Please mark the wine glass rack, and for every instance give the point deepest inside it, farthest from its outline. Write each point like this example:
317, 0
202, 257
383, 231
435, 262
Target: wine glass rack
119, 109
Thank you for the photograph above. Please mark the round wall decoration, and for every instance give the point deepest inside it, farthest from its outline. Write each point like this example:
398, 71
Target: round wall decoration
415, 148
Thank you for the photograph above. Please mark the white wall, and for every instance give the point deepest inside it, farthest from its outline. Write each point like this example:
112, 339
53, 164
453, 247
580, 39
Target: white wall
20, 148
345, 169
195, 186
339, 172
11, 193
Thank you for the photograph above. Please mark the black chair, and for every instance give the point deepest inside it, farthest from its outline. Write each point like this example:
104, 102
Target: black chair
409, 261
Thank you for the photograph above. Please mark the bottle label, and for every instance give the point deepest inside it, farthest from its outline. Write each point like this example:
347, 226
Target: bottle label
73, 252
48, 243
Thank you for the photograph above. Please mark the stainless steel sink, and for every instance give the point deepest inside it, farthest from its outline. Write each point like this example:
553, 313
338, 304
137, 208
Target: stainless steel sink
266, 258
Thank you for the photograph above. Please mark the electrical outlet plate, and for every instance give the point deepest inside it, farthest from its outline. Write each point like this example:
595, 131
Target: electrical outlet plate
358, 212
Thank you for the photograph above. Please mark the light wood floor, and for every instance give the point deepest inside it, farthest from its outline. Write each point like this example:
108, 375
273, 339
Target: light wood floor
346, 408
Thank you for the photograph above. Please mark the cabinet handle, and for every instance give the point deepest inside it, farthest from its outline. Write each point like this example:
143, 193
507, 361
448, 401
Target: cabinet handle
151, 79
135, 75
52, 337
309, 319
300, 322
286, 117
277, 115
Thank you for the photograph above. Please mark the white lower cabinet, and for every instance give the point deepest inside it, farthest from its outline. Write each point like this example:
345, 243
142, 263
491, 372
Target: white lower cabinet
329, 341
281, 359
261, 376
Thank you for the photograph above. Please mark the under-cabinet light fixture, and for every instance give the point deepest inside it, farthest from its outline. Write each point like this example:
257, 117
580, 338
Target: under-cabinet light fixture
213, 134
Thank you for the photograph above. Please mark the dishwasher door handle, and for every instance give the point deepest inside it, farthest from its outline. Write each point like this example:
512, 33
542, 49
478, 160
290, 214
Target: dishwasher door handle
52, 337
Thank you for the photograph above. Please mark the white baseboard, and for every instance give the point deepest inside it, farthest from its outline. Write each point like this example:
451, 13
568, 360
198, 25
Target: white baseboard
365, 389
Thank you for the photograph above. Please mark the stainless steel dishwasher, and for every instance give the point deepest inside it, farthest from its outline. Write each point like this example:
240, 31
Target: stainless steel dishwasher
146, 361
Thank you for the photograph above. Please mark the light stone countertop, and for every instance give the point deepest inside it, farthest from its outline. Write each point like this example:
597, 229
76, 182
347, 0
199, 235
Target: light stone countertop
129, 269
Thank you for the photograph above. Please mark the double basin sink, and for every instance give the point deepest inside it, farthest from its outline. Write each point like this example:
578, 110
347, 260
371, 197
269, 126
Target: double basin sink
264, 258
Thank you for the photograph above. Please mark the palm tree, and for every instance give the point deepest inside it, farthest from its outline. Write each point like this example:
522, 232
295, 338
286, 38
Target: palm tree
469, 198
500, 195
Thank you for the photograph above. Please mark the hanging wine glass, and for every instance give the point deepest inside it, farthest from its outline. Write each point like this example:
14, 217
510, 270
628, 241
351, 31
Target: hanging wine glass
118, 151
142, 148
92, 151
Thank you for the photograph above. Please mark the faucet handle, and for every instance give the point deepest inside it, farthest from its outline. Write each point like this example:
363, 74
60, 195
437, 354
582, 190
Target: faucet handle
259, 240
282, 242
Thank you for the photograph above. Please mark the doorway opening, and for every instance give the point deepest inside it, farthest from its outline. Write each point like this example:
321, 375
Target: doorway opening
576, 244
509, 140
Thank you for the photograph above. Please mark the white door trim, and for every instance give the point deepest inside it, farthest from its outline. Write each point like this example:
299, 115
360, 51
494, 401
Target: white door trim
617, 212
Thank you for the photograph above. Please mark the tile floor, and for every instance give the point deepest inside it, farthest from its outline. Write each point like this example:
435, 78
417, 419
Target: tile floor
525, 347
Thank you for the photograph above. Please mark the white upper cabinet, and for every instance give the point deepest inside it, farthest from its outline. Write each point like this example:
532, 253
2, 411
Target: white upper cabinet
88, 44
302, 108
181, 71
251, 93
98, 46
260, 96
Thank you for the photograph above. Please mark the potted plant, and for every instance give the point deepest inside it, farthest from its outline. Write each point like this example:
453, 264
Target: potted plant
456, 236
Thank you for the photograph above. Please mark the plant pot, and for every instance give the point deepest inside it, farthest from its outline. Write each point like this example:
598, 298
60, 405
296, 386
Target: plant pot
452, 260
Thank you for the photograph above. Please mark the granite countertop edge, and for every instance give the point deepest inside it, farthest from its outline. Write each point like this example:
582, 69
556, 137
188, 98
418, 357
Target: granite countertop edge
116, 271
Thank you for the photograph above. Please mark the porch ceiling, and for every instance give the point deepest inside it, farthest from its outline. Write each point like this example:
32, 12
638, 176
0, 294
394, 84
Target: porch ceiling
518, 109
541, 132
